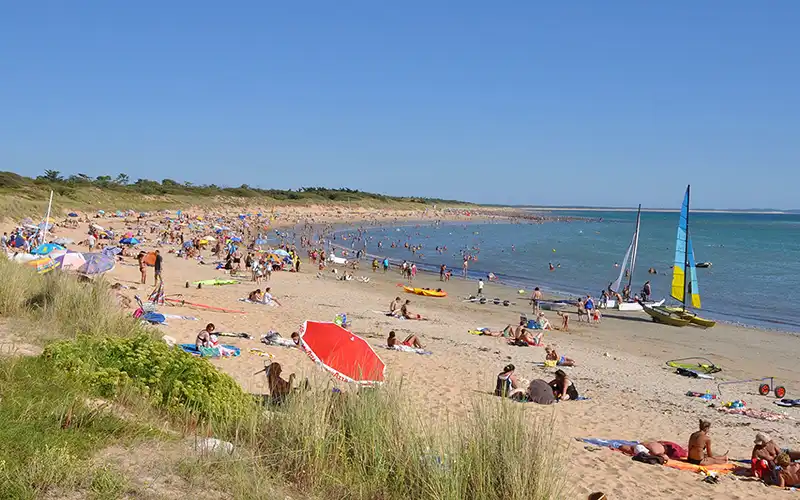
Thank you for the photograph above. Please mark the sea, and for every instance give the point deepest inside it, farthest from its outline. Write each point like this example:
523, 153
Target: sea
752, 281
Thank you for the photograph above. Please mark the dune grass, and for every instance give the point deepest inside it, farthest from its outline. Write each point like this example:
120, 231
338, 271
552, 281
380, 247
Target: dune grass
367, 444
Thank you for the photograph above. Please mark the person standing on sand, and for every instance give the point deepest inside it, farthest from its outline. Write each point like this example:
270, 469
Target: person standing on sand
464, 268
646, 291
442, 270
536, 298
157, 271
142, 268
480, 287
700, 447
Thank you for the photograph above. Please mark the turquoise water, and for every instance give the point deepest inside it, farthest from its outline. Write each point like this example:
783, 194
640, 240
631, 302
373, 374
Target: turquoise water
755, 272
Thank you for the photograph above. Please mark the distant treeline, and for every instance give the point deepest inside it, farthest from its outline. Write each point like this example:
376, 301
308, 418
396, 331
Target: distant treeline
68, 185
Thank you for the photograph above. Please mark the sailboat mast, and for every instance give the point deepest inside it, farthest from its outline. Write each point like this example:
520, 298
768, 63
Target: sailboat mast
635, 245
686, 282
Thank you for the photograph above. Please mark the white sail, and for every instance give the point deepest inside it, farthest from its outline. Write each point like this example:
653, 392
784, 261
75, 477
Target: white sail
617, 283
635, 244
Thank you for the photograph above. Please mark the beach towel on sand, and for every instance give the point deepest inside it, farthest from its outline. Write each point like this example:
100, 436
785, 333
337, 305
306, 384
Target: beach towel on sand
405, 348
209, 352
608, 443
243, 299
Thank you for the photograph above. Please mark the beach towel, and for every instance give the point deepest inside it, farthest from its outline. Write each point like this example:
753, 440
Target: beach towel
788, 403
216, 282
178, 316
608, 443
244, 299
154, 318
209, 352
718, 468
674, 451
405, 348
770, 416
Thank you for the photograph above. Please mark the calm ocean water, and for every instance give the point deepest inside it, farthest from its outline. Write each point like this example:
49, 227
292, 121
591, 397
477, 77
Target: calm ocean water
755, 272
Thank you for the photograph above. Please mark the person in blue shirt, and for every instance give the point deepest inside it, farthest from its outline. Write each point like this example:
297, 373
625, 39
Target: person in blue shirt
589, 304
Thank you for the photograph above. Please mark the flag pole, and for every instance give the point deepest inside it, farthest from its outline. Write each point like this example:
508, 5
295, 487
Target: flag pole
47, 218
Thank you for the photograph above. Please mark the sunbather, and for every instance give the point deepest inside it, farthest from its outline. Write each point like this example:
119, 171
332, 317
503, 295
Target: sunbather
563, 388
552, 355
507, 383
410, 341
524, 336
256, 296
700, 447
204, 337
766, 449
653, 448
405, 313
278, 388
394, 307
543, 323
789, 474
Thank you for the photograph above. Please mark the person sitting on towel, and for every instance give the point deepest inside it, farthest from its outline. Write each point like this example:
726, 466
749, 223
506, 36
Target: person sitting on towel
700, 447
256, 296
410, 341
507, 383
269, 299
204, 337
563, 388
543, 323
526, 337
405, 313
394, 307
278, 388
766, 449
552, 355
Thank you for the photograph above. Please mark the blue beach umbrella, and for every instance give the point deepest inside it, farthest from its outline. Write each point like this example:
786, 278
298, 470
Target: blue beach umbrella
129, 241
96, 263
46, 248
72, 214
111, 251
261, 241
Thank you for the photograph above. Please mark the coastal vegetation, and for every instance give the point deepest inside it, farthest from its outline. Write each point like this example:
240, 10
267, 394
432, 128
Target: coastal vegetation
20, 196
103, 380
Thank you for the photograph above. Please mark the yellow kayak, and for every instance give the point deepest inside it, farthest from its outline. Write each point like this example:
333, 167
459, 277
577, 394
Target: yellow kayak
425, 292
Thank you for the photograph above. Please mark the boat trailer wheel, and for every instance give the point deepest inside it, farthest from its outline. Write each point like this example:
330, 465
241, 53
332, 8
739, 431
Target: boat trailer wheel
763, 389
780, 391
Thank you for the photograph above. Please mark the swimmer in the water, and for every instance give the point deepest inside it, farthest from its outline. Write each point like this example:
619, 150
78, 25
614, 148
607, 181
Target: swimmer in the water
551, 266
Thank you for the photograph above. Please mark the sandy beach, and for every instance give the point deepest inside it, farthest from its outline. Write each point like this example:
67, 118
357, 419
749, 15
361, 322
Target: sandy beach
620, 362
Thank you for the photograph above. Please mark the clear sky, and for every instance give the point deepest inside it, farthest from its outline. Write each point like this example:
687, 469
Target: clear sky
584, 102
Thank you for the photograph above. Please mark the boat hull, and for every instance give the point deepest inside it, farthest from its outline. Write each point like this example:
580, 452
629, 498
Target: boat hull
425, 293
665, 317
692, 317
632, 306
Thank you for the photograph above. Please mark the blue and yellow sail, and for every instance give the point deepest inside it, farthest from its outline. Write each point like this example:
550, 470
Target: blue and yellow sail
684, 261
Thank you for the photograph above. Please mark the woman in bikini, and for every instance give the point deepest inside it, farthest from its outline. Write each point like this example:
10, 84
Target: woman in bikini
700, 447
552, 355
410, 341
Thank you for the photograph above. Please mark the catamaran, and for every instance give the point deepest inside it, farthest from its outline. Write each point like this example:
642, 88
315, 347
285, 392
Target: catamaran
630, 305
682, 288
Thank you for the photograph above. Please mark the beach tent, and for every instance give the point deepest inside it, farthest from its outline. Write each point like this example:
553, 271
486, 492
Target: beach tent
345, 355
111, 251
96, 263
42, 265
46, 248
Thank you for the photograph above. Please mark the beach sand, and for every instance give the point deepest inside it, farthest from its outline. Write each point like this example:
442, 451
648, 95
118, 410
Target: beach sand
621, 363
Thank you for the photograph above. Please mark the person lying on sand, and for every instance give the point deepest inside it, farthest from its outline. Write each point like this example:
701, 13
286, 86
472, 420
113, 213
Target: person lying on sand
700, 447
278, 388
410, 341
653, 448
552, 355
789, 473
563, 388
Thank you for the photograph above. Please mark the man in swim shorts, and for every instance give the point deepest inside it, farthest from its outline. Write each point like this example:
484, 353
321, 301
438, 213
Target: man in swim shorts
536, 299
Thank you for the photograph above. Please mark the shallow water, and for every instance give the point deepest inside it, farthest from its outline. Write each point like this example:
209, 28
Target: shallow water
756, 257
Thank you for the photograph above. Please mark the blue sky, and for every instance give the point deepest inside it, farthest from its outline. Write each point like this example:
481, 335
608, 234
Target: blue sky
590, 103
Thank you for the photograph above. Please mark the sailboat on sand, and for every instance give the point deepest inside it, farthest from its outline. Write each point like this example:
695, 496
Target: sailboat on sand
630, 305
684, 279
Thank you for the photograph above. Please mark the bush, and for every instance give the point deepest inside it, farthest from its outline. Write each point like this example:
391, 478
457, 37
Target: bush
172, 379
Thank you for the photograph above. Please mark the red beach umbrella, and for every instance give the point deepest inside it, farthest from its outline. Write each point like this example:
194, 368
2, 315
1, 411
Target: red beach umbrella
347, 356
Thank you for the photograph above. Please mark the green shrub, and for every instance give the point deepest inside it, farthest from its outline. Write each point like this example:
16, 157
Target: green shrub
172, 379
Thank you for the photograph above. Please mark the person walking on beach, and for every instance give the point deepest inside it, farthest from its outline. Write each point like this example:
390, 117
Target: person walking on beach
158, 264
646, 291
480, 287
442, 270
536, 299
464, 268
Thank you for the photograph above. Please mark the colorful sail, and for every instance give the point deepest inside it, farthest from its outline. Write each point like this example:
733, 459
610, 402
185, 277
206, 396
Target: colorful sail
679, 266
694, 290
